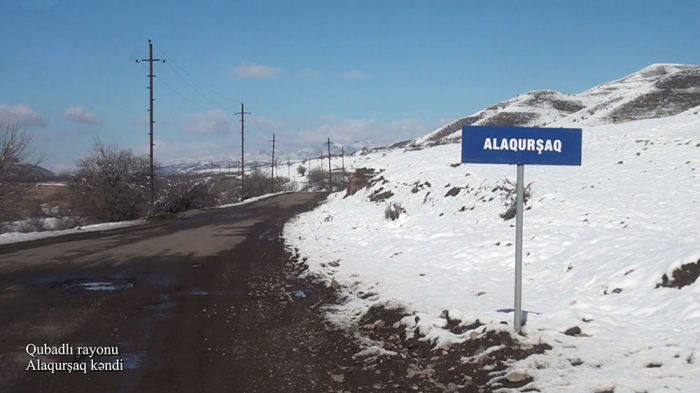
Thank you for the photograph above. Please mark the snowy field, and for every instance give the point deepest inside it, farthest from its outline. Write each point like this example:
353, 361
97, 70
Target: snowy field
598, 239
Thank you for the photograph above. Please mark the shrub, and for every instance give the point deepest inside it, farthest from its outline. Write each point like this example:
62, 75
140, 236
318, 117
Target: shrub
393, 211
301, 170
182, 193
318, 179
15, 169
508, 191
110, 184
259, 183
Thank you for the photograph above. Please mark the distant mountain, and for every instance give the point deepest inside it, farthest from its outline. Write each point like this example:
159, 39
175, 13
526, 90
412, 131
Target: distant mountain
659, 90
260, 158
27, 173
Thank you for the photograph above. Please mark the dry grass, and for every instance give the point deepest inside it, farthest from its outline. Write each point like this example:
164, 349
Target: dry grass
54, 196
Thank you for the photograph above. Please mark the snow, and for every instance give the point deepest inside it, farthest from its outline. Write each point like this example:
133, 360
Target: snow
598, 104
18, 237
598, 239
251, 200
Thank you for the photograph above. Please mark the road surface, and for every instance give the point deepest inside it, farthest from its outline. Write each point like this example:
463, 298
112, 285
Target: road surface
203, 303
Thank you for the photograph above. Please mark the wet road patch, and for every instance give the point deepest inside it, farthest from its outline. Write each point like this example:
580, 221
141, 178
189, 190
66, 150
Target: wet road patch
97, 284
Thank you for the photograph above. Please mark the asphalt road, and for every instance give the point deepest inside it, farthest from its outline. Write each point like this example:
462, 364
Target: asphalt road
203, 303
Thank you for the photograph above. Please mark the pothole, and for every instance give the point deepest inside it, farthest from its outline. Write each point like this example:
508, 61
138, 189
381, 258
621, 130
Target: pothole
97, 284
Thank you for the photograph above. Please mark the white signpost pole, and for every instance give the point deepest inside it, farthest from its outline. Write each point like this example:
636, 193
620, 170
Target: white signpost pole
520, 146
519, 247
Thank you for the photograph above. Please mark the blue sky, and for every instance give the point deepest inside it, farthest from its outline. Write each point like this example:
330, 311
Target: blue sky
351, 70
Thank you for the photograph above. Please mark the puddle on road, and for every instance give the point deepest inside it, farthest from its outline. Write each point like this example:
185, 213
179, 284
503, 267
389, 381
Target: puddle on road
267, 235
198, 292
97, 284
299, 294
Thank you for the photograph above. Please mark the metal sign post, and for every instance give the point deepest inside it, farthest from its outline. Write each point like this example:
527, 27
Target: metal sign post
520, 146
519, 246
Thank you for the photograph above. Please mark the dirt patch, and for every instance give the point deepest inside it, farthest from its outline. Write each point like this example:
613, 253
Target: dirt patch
454, 191
418, 186
359, 180
379, 196
683, 276
476, 365
510, 119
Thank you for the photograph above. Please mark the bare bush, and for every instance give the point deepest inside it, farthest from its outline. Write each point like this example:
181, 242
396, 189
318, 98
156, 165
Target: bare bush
301, 170
259, 183
318, 179
110, 184
509, 192
393, 211
68, 222
181, 193
17, 159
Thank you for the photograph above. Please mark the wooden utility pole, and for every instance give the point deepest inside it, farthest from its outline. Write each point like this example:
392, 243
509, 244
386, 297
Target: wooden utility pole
242, 113
272, 167
330, 177
342, 157
150, 61
289, 169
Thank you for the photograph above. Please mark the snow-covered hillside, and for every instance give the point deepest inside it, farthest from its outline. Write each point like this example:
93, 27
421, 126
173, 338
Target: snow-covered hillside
261, 158
659, 90
598, 241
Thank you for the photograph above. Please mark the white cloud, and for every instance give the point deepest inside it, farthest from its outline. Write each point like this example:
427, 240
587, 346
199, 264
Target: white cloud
213, 122
355, 74
310, 73
255, 71
78, 114
173, 152
349, 131
21, 114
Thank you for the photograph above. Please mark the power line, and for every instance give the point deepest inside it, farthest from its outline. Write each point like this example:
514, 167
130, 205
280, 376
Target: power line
194, 88
182, 96
190, 75
259, 126
160, 80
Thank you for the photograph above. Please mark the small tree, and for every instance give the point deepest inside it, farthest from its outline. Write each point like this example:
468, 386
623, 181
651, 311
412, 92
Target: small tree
301, 170
318, 179
16, 165
182, 193
111, 184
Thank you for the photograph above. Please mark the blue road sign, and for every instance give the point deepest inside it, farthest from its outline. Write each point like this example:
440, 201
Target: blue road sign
521, 145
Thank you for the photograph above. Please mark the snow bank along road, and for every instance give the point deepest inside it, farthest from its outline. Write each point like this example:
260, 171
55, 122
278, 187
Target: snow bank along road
202, 303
